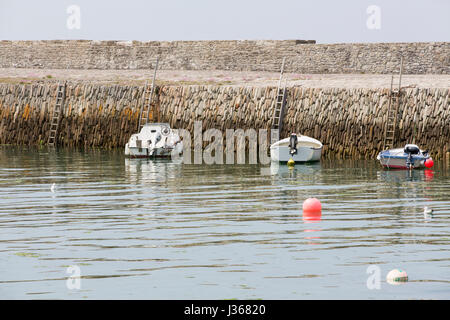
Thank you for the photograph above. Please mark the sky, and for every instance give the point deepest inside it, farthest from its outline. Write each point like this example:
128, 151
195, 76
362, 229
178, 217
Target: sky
338, 21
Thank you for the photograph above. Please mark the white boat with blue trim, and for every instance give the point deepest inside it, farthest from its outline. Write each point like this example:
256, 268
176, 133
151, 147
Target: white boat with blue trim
409, 157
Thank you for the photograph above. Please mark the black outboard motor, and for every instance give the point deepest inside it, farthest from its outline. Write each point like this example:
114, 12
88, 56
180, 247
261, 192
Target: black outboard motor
411, 149
293, 144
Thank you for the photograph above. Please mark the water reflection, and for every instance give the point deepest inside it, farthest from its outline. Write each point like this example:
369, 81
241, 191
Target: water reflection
151, 170
283, 170
405, 175
163, 230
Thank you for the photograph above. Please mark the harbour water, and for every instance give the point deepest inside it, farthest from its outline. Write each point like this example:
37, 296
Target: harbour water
143, 229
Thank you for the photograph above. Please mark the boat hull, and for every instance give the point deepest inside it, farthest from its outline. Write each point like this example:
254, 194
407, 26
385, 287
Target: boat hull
398, 159
134, 152
308, 150
304, 154
399, 164
155, 140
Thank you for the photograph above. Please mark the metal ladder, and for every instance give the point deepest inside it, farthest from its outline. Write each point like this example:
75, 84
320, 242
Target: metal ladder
56, 117
147, 107
280, 103
393, 108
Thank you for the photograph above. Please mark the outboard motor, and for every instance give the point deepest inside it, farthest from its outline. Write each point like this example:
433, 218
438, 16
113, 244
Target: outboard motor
293, 144
411, 149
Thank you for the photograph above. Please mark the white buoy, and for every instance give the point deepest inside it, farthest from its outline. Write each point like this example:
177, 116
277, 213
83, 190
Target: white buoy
427, 213
53, 187
397, 276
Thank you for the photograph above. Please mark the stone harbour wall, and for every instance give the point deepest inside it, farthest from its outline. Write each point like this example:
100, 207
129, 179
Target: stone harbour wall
349, 122
302, 56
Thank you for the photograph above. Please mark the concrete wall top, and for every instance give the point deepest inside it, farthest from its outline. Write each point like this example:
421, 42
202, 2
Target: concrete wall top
302, 56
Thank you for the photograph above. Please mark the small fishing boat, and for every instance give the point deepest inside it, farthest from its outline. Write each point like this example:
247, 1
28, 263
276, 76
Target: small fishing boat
409, 157
154, 140
298, 148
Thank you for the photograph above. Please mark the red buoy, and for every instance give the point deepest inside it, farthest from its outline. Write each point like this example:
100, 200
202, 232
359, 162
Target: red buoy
429, 163
312, 209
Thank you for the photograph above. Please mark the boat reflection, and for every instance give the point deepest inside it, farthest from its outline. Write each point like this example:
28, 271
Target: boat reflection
152, 170
405, 175
283, 170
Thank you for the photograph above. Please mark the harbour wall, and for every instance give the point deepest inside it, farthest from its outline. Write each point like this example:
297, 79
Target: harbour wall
349, 122
302, 56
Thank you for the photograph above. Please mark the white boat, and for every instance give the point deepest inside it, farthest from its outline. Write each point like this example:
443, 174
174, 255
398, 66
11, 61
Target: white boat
154, 140
409, 157
298, 148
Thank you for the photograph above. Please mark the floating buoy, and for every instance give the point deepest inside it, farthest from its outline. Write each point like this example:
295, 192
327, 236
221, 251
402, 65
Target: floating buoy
291, 162
397, 276
429, 163
427, 213
312, 209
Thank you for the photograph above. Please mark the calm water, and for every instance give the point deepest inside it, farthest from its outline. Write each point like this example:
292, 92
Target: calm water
140, 229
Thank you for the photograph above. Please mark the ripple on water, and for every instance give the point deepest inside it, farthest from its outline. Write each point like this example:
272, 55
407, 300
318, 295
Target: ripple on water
157, 229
